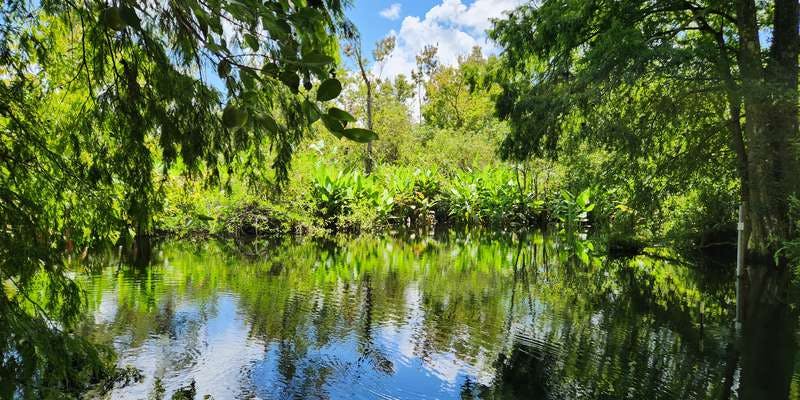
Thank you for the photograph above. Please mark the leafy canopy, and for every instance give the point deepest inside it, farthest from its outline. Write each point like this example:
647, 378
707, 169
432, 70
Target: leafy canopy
98, 99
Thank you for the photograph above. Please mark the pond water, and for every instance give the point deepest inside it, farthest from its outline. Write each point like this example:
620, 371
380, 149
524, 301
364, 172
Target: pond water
420, 318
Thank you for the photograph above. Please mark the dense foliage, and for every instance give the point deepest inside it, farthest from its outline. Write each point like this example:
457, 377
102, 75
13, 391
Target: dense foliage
681, 92
645, 121
96, 99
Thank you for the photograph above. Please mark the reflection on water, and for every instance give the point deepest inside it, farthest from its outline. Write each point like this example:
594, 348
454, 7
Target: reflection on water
387, 318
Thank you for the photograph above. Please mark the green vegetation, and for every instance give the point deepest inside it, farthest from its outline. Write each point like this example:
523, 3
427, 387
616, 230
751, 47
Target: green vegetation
616, 124
97, 103
677, 99
426, 175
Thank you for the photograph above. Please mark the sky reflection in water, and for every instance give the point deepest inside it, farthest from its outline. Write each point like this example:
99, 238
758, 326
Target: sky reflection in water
387, 318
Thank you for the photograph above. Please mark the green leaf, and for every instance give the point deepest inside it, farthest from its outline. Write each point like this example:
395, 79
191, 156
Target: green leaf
583, 198
128, 15
216, 48
277, 28
204, 217
224, 68
312, 111
359, 135
270, 69
317, 59
329, 90
251, 41
216, 25
333, 125
341, 115
268, 123
248, 78
291, 80
112, 18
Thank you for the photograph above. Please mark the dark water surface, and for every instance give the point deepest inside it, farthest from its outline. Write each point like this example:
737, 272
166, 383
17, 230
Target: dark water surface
466, 317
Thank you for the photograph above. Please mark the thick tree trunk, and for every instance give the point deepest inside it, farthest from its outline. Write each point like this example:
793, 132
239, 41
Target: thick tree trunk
771, 123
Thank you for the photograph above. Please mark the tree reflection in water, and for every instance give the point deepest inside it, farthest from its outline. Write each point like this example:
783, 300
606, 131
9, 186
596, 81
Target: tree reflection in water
469, 317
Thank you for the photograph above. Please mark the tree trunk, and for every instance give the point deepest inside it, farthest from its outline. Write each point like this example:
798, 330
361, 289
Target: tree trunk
771, 123
365, 77
737, 144
368, 158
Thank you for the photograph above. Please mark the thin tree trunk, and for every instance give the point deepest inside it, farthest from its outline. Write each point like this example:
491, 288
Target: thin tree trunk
365, 77
419, 101
368, 160
732, 92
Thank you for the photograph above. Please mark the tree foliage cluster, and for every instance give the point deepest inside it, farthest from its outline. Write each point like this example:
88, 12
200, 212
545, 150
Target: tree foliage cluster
686, 94
98, 100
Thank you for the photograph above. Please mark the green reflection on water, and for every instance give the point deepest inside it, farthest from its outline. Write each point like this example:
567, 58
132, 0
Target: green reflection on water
464, 317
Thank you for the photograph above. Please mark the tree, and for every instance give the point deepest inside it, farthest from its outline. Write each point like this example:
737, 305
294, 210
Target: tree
383, 49
461, 96
428, 60
427, 64
417, 78
98, 98
575, 64
403, 89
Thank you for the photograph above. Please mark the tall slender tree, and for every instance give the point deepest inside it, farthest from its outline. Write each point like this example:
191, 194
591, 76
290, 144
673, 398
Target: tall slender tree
383, 49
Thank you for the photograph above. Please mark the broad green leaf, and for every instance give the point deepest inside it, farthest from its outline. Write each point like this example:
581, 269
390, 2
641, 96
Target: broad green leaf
129, 16
216, 48
333, 125
248, 78
216, 25
204, 217
269, 123
277, 28
329, 90
317, 59
583, 198
341, 115
359, 135
251, 41
311, 110
270, 69
112, 18
291, 80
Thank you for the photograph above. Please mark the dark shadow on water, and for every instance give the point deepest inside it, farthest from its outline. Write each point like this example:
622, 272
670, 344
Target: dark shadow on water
768, 348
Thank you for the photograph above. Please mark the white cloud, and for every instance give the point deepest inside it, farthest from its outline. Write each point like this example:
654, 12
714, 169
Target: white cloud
393, 12
453, 26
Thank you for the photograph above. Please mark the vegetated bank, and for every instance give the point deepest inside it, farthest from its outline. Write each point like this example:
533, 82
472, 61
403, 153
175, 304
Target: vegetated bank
436, 164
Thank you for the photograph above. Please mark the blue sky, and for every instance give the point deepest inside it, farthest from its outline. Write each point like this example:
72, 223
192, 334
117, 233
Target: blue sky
454, 25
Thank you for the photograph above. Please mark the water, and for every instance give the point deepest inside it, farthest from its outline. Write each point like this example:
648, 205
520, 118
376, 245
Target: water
367, 318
